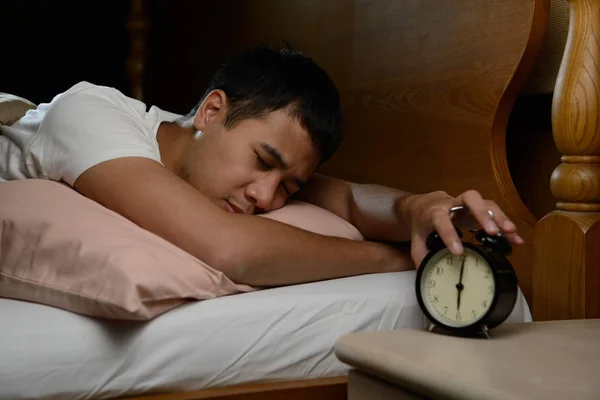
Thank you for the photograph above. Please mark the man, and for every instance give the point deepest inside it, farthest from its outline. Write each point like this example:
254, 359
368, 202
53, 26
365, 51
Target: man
267, 121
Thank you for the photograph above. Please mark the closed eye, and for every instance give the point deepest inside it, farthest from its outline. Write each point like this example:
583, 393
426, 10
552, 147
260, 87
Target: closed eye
262, 163
265, 166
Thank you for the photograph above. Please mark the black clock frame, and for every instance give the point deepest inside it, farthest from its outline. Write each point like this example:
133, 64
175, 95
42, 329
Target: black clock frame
505, 293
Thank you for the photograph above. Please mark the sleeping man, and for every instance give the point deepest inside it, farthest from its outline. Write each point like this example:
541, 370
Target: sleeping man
268, 119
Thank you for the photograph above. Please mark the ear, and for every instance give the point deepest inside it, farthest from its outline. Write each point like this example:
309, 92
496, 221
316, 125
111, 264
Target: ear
212, 110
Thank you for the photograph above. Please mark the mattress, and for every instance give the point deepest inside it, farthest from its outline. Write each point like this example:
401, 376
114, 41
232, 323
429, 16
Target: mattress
276, 334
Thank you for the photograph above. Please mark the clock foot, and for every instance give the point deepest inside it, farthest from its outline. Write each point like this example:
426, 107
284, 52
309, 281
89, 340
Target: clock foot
431, 327
485, 331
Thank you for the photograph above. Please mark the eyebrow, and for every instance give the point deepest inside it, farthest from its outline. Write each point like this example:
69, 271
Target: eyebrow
280, 160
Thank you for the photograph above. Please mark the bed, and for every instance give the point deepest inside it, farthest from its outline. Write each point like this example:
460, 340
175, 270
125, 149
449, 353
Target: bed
428, 93
268, 335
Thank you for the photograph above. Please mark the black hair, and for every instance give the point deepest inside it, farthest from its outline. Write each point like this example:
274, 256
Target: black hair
261, 79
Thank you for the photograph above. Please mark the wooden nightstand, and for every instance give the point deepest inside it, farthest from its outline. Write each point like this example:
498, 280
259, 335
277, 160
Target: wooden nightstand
543, 360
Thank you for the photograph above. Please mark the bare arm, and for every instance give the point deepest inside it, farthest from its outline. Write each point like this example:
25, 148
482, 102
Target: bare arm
387, 214
378, 212
248, 249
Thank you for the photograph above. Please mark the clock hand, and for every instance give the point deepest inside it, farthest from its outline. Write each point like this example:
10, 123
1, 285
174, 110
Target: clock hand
459, 285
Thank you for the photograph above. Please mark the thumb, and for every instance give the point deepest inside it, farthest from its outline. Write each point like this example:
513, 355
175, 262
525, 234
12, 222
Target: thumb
418, 248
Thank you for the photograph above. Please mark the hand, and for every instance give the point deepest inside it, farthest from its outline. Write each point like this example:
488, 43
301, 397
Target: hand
431, 211
459, 285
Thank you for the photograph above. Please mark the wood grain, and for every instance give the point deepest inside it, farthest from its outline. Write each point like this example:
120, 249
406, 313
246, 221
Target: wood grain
334, 388
576, 183
576, 112
566, 269
567, 253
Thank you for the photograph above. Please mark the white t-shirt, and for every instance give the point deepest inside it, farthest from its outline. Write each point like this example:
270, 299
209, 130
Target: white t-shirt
80, 128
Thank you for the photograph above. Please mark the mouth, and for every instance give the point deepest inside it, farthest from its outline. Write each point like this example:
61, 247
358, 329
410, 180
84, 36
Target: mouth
232, 208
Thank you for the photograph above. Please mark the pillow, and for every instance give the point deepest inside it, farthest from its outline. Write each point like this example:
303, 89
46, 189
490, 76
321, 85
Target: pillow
13, 108
314, 219
62, 249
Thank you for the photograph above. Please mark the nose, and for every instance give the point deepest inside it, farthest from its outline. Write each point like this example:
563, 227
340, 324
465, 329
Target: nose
262, 194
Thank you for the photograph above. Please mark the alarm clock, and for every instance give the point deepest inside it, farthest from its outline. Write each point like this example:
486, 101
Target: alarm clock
471, 293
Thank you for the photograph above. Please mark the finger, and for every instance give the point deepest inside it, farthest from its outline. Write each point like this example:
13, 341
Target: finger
463, 218
444, 227
418, 249
479, 209
501, 218
509, 229
514, 238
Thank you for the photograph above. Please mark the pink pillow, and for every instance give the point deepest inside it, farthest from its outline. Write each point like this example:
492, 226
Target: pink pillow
314, 219
61, 249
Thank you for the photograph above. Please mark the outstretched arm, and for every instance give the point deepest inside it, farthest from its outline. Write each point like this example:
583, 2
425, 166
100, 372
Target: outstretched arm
386, 214
378, 212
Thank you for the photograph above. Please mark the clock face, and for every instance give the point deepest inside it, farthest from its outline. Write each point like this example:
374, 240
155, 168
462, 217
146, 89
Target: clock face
454, 299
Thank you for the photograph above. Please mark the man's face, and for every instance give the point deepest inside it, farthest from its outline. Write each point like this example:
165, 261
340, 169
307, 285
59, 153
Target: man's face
253, 167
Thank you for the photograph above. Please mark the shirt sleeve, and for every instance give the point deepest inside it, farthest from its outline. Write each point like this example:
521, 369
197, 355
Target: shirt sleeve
89, 125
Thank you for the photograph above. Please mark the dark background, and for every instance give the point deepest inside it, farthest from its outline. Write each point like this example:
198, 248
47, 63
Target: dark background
48, 46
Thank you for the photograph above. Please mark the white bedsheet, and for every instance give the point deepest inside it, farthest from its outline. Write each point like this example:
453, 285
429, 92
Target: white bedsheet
282, 333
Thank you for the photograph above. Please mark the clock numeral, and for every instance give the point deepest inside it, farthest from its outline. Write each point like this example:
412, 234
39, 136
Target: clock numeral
435, 298
473, 314
488, 272
463, 257
476, 261
445, 310
449, 260
439, 270
484, 304
430, 283
491, 289
458, 316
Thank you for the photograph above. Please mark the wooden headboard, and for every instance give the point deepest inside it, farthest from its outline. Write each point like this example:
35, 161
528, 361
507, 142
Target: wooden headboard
427, 91
427, 88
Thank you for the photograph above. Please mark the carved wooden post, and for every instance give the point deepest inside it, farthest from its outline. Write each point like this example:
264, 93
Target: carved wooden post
566, 272
138, 26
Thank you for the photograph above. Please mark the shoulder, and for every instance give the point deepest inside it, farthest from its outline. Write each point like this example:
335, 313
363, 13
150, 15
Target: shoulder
90, 124
86, 100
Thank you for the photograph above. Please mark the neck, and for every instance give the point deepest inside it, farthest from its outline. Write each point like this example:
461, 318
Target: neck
172, 140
